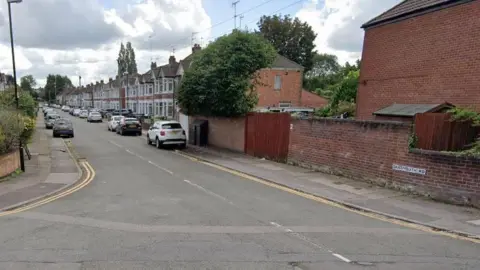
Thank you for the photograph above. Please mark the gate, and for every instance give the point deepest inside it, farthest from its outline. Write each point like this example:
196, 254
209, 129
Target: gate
267, 135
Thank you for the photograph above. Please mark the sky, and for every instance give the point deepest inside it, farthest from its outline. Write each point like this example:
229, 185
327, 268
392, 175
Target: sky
82, 37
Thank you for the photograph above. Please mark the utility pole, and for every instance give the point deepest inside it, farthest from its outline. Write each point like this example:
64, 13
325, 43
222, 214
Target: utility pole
241, 17
234, 5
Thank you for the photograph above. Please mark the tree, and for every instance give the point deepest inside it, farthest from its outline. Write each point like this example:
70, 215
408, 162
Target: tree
325, 72
223, 76
121, 60
28, 83
323, 65
55, 85
131, 64
291, 37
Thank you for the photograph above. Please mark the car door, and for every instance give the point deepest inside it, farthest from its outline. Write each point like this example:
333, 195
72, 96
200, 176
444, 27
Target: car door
152, 130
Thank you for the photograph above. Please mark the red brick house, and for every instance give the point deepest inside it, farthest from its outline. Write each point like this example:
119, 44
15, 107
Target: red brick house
421, 52
281, 85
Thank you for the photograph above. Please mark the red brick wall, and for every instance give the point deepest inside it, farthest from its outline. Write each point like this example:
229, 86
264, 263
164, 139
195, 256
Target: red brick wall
313, 100
227, 133
290, 91
367, 150
431, 58
9, 163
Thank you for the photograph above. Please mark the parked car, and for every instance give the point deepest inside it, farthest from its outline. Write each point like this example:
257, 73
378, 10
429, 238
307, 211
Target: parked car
50, 119
113, 122
47, 110
105, 113
94, 116
63, 127
129, 125
83, 114
71, 111
167, 133
65, 108
76, 112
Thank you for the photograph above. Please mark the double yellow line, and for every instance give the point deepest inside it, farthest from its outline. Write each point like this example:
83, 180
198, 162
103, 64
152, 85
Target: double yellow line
89, 176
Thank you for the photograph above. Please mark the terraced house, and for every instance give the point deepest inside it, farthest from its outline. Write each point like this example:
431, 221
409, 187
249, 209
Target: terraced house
153, 93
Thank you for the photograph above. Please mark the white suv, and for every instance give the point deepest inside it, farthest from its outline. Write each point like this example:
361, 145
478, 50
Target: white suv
167, 133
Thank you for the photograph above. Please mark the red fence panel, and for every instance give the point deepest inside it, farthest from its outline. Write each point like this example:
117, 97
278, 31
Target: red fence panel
267, 135
437, 131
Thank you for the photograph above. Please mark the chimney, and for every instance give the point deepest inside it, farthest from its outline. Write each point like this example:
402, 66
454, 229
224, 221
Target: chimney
171, 60
196, 47
110, 79
153, 65
101, 81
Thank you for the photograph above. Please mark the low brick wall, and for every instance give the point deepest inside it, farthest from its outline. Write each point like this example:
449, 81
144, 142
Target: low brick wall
377, 151
227, 133
9, 163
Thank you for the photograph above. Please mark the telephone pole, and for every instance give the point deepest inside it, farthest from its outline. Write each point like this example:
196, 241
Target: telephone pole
241, 18
234, 5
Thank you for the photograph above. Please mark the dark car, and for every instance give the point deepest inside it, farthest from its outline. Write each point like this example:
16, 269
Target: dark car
129, 126
63, 127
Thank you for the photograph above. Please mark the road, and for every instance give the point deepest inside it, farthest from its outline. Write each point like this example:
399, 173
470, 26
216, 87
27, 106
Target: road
154, 209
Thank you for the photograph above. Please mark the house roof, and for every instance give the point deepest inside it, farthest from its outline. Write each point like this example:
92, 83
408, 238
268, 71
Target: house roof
409, 110
408, 8
283, 62
312, 100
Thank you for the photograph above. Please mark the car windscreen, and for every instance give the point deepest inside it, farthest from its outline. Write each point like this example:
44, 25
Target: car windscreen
62, 122
131, 121
95, 113
53, 116
116, 118
171, 126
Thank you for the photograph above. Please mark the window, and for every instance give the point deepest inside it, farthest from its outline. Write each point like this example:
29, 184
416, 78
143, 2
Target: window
150, 89
161, 85
170, 109
150, 109
170, 85
278, 82
161, 113
135, 107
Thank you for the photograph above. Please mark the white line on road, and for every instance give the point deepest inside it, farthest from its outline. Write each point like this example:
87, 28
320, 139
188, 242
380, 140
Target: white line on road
141, 157
207, 191
303, 238
341, 257
160, 167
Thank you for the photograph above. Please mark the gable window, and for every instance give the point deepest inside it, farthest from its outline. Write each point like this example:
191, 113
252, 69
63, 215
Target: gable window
278, 82
170, 85
150, 89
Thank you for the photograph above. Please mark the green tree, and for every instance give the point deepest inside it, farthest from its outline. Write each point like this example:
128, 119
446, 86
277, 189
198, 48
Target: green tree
223, 76
324, 74
27, 105
131, 64
121, 60
55, 85
290, 37
346, 89
28, 83
323, 64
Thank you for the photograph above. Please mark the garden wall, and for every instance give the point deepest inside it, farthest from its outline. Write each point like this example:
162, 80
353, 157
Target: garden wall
9, 163
378, 151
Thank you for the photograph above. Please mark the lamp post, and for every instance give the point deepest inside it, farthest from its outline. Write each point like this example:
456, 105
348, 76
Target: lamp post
20, 147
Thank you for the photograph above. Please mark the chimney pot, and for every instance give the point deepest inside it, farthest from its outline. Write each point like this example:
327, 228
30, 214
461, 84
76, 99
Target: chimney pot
171, 60
196, 47
153, 65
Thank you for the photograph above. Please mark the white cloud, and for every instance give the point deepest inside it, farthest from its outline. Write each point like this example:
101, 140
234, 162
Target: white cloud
72, 37
338, 22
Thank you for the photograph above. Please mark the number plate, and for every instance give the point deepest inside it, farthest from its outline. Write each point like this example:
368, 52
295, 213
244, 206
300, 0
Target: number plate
133, 126
174, 132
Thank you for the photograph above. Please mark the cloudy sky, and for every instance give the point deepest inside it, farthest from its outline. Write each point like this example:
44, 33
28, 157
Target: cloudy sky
82, 37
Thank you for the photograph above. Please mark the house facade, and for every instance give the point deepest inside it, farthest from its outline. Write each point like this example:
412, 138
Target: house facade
153, 93
421, 52
5, 81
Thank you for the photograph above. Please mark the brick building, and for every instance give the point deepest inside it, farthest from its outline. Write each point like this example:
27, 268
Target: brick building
421, 52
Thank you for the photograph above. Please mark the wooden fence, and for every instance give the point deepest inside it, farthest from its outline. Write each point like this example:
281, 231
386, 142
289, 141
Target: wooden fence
436, 131
267, 135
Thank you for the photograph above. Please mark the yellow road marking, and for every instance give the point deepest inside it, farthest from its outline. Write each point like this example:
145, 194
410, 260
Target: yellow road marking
90, 175
334, 204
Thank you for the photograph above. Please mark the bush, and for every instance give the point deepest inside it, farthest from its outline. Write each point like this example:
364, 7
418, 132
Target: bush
11, 129
27, 104
29, 128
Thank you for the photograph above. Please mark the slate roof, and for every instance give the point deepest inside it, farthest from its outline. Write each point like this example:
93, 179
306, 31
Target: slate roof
410, 110
406, 8
283, 62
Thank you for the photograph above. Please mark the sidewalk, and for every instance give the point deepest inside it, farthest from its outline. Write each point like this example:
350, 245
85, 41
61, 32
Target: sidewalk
356, 194
50, 170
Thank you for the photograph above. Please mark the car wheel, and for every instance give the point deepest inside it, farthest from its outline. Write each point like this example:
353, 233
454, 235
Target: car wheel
121, 132
157, 143
55, 135
182, 146
71, 136
108, 128
148, 140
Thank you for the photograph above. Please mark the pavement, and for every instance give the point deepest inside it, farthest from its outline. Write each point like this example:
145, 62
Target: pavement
50, 170
148, 208
355, 194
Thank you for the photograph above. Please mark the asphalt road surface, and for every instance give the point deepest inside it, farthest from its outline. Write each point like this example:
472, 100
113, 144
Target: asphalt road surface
154, 209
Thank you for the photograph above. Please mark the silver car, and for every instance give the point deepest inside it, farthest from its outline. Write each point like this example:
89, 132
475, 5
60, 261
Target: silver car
94, 117
50, 120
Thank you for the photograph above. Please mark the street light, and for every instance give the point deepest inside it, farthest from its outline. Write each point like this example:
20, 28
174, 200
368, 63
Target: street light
20, 147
